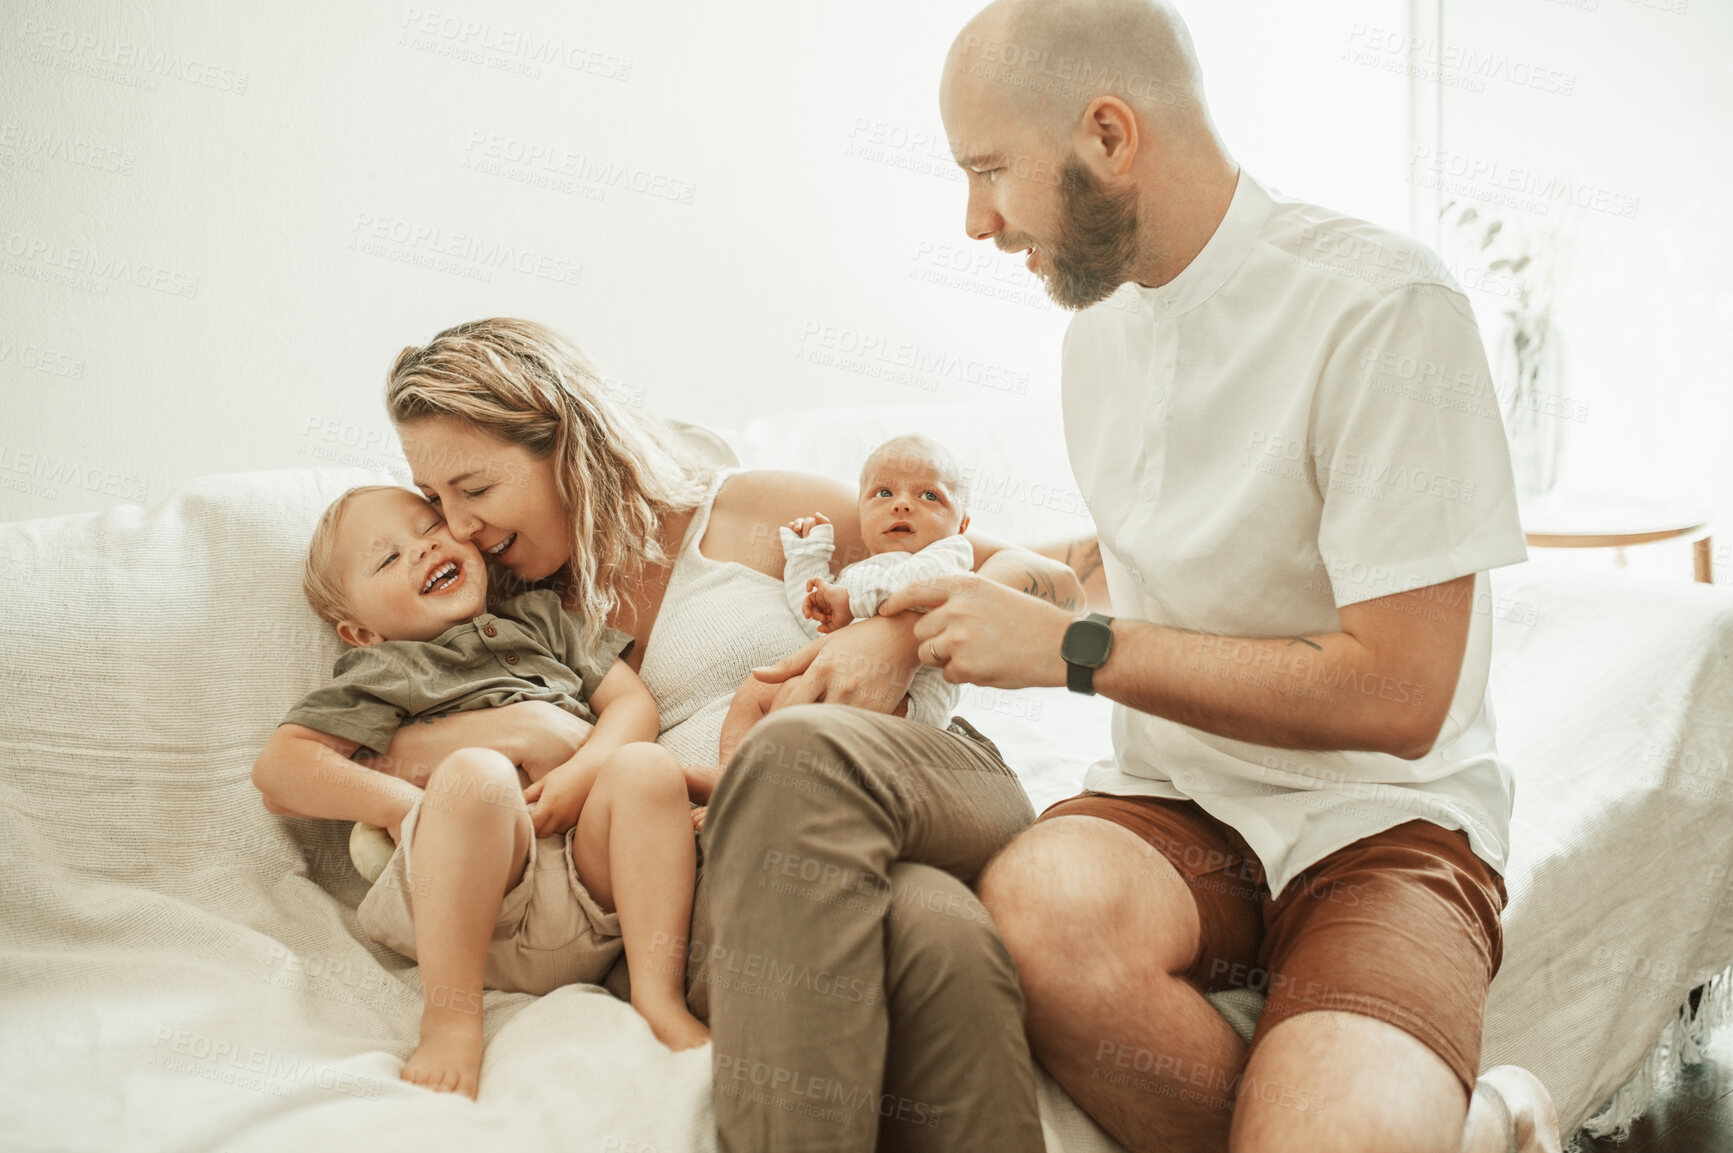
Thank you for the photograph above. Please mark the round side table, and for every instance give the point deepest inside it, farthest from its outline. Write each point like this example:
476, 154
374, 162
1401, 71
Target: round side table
1616, 522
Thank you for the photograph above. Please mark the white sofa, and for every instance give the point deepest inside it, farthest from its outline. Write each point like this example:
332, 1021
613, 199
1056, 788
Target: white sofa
180, 970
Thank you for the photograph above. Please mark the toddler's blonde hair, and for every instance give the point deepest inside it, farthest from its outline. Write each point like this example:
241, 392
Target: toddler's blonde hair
319, 578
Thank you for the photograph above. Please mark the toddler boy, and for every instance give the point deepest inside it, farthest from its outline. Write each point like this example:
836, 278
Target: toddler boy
495, 896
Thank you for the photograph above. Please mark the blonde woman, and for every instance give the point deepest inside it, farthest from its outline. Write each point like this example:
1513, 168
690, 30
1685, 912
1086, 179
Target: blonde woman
856, 990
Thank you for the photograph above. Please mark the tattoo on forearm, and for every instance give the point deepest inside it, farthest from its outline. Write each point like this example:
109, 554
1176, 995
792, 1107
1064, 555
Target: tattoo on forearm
1084, 558
1041, 587
1292, 641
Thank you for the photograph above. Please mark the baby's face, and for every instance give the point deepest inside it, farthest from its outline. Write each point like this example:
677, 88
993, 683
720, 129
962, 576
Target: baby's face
404, 575
904, 506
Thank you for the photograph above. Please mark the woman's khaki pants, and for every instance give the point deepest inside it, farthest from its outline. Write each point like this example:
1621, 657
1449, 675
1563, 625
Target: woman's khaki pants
857, 993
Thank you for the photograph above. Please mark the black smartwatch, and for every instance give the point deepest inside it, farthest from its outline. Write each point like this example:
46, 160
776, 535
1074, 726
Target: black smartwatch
1085, 648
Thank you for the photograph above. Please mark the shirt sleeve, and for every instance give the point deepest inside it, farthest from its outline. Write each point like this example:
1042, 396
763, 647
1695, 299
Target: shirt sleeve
347, 708
1409, 452
802, 559
871, 581
563, 633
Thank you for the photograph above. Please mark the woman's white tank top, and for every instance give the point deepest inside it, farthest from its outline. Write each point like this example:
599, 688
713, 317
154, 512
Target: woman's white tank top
719, 620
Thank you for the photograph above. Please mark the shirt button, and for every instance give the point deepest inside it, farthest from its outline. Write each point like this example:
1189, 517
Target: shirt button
511, 658
489, 630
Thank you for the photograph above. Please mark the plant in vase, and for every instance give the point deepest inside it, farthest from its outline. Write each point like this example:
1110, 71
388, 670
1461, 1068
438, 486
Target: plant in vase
1518, 263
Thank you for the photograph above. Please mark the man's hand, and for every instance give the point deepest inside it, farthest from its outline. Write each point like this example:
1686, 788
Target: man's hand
827, 604
868, 665
801, 525
984, 633
555, 802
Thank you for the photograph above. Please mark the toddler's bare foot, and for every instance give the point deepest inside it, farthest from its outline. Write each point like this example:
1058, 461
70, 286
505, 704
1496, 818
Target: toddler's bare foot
674, 1026
1533, 1115
448, 1060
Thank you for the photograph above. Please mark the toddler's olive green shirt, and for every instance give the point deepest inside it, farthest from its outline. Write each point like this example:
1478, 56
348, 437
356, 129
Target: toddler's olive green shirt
527, 649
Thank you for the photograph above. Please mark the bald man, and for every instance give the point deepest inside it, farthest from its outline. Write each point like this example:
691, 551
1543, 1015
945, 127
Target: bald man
1281, 419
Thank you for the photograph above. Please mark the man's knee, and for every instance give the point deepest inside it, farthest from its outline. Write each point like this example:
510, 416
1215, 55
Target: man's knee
1074, 885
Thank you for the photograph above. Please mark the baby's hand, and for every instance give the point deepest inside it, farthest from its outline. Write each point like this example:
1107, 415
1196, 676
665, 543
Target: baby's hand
801, 525
698, 818
554, 804
827, 604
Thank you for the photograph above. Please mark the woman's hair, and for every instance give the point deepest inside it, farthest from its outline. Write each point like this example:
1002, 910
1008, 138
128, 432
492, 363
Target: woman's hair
619, 472
320, 579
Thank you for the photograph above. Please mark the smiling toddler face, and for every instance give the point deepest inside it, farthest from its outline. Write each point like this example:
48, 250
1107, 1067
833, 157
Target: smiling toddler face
404, 576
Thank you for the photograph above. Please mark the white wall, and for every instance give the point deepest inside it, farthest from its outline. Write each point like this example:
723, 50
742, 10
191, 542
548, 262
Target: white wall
1617, 148
218, 223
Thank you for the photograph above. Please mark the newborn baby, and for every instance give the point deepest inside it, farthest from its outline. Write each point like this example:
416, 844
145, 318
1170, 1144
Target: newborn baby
913, 512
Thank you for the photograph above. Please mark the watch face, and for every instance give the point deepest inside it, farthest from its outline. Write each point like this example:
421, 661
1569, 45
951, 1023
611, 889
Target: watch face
1086, 643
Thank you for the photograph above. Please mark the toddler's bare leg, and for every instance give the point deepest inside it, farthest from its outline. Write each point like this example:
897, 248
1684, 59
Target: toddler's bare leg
471, 841
635, 854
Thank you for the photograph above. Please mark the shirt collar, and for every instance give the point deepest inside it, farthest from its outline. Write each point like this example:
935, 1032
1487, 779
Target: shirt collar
1225, 252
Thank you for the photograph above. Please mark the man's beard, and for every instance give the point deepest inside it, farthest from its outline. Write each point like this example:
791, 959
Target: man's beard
1097, 242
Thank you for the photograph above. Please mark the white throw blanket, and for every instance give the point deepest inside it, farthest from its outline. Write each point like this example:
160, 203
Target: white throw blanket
181, 970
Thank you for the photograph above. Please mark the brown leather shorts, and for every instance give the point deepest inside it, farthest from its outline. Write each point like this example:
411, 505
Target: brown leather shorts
1401, 925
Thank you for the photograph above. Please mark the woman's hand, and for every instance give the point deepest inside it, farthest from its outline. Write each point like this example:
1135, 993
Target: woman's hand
868, 665
535, 735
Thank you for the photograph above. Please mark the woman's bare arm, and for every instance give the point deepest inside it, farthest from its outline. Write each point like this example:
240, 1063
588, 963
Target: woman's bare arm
870, 663
1083, 557
537, 736
306, 773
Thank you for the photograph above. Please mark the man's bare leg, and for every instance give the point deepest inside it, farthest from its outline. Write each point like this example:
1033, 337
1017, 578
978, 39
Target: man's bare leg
1331, 1081
1099, 925
469, 848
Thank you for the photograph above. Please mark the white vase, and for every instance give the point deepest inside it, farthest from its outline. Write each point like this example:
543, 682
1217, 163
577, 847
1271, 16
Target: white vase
1533, 391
